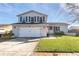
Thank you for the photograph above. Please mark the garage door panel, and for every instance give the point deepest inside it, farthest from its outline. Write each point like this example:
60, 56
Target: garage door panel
30, 32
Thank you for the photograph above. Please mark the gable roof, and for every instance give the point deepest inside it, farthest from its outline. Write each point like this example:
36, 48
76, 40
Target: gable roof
31, 11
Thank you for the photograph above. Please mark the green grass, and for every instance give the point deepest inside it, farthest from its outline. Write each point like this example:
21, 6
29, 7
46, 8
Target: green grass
60, 44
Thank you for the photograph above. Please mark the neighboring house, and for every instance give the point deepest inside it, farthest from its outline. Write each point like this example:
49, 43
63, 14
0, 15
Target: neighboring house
74, 29
34, 24
5, 28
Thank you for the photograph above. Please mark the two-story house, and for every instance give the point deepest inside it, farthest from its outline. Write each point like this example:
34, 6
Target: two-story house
34, 24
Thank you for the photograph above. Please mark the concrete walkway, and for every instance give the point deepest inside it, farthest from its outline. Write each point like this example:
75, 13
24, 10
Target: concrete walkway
17, 47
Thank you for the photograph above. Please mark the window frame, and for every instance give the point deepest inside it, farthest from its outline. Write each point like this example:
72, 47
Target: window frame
50, 28
56, 29
21, 19
32, 20
41, 20
29, 19
35, 19
26, 19
38, 19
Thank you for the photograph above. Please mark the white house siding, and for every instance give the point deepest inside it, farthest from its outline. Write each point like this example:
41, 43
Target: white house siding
32, 32
44, 31
33, 28
51, 31
32, 14
15, 31
64, 29
29, 32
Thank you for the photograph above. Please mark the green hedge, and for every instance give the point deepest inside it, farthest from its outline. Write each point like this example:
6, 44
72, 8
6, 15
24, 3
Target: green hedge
59, 33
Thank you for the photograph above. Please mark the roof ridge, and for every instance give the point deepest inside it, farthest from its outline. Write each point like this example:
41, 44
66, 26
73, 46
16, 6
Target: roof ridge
31, 11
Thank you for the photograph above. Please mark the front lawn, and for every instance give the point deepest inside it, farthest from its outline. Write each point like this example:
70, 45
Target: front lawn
60, 44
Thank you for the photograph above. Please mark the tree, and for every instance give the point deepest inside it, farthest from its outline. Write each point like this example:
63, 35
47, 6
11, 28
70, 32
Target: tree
72, 9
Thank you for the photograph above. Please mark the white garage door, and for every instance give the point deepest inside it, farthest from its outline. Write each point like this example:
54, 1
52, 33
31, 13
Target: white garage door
30, 32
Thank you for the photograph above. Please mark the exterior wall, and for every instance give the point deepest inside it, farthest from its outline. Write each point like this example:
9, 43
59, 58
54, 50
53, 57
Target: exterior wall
32, 14
16, 29
5, 28
71, 34
29, 32
44, 31
50, 31
62, 28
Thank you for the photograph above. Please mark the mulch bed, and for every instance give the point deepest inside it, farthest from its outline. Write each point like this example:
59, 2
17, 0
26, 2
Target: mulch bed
54, 54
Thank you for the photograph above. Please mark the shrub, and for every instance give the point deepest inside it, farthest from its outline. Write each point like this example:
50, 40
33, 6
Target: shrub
77, 34
59, 33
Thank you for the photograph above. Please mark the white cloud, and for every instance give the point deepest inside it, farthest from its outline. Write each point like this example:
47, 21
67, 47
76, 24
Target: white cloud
7, 8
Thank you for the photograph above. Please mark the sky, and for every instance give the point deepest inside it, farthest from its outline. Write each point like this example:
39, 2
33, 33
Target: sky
8, 12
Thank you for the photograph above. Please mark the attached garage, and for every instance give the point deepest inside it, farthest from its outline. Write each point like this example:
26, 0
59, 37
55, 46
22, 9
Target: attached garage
30, 32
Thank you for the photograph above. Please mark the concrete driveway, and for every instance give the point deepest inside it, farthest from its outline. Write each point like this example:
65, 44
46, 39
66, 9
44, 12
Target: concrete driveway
18, 47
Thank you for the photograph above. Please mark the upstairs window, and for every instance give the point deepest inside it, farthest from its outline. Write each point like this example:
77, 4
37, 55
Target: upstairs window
37, 18
23, 20
32, 19
43, 18
26, 18
20, 18
40, 19
29, 18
